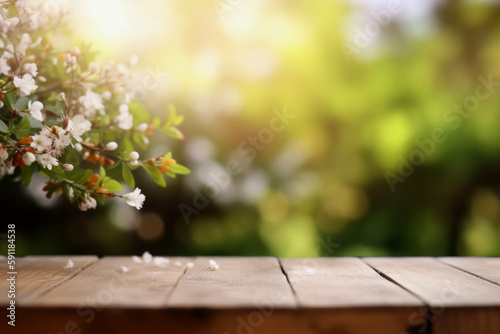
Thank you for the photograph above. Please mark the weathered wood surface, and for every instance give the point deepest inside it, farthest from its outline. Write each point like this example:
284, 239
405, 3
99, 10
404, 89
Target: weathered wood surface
458, 302
255, 295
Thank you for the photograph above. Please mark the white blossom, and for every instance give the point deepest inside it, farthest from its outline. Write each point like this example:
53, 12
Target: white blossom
28, 158
142, 127
41, 142
47, 161
135, 198
147, 257
111, 146
92, 103
125, 269
212, 265
31, 68
137, 259
88, 203
133, 156
69, 265
125, 119
4, 68
68, 167
78, 126
25, 84
35, 109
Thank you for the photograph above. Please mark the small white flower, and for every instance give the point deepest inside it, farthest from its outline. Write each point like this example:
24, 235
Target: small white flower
35, 109
147, 257
309, 271
135, 198
28, 158
92, 102
125, 119
4, 68
111, 146
47, 161
69, 265
160, 261
136, 259
94, 68
41, 142
68, 167
88, 203
190, 265
125, 269
212, 265
32, 69
25, 84
70, 60
78, 126
133, 156
142, 127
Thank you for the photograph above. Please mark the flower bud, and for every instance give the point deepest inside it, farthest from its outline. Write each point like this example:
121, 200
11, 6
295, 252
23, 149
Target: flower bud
142, 127
78, 147
68, 167
76, 51
134, 156
111, 146
15, 113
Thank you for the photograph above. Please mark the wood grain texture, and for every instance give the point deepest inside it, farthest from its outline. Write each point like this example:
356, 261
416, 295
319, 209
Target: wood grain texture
343, 282
103, 284
485, 267
214, 321
437, 283
458, 302
36, 275
239, 282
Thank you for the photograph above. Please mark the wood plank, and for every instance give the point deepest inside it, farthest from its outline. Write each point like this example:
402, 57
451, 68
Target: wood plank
211, 321
454, 296
36, 275
437, 283
343, 282
485, 267
103, 284
239, 282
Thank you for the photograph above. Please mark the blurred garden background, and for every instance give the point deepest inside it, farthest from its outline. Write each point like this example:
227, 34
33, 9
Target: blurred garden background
391, 145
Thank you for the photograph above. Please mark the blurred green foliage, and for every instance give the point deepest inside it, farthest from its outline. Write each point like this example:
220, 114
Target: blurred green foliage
319, 187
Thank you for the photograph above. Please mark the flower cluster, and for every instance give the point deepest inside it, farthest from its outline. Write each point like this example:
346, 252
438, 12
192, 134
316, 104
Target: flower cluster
70, 118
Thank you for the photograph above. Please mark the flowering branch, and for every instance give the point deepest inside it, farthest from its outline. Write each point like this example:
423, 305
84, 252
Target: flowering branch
70, 119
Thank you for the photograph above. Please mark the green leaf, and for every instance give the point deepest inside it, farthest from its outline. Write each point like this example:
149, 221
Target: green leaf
27, 173
100, 199
140, 113
179, 119
156, 122
167, 156
155, 175
10, 100
112, 185
179, 169
3, 127
56, 109
22, 103
173, 132
56, 173
34, 123
128, 177
22, 129
102, 172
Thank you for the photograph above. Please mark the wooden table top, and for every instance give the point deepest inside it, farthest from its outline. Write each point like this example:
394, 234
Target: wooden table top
252, 295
